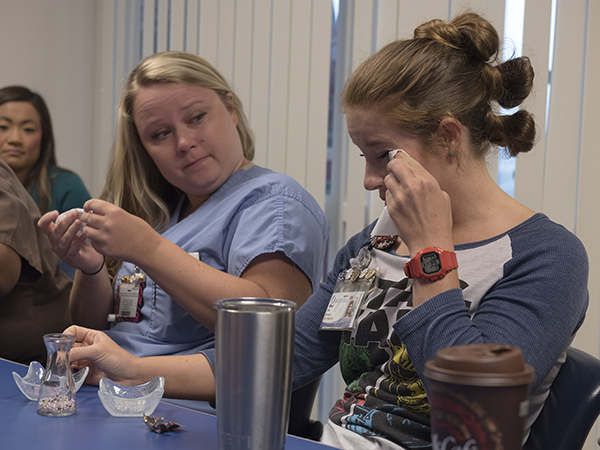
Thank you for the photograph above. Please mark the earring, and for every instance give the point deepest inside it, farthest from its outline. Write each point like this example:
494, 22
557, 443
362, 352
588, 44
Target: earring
450, 154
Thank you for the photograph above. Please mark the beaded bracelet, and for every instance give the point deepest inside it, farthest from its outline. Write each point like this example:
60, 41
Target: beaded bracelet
97, 271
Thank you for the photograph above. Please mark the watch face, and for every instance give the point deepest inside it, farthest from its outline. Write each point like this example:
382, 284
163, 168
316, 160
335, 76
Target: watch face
430, 263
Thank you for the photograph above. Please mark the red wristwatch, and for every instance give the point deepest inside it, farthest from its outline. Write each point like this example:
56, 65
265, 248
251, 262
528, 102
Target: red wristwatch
431, 263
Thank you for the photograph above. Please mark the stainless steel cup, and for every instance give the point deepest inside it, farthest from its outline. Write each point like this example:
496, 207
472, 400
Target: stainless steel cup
254, 354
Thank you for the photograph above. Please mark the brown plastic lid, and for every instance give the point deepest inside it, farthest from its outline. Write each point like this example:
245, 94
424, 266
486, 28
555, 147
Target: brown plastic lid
480, 365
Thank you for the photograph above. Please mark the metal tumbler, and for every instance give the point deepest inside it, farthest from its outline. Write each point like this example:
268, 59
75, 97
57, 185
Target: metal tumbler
254, 355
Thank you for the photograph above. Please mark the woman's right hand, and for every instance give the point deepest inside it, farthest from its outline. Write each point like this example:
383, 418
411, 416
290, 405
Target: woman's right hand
418, 206
64, 241
104, 357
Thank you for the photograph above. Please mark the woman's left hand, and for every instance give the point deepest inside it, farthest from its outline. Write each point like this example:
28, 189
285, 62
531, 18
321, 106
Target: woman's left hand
68, 241
419, 208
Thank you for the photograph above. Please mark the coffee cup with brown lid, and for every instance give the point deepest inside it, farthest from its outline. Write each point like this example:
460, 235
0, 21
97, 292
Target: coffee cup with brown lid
479, 397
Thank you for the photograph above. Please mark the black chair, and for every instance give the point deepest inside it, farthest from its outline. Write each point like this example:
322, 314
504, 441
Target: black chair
300, 410
572, 406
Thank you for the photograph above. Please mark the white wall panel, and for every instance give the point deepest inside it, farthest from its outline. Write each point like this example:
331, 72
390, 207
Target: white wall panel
298, 91
104, 97
225, 38
177, 22
192, 34
257, 108
413, 14
242, 50
147, 27
386, 17
563, 139
161, 43
529, 171
208, 26
279, 85
492, 11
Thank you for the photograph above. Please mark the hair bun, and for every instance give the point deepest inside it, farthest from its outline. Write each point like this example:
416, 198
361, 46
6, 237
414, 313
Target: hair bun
468, 32
440, 31
517, 81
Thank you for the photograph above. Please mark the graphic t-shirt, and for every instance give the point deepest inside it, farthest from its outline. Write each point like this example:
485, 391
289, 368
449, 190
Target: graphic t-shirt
513, 289
383, 385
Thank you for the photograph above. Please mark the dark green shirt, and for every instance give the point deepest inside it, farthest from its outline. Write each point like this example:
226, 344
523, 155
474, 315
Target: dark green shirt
68, 191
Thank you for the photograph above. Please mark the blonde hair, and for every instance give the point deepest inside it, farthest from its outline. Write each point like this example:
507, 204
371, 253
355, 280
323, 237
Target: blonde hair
448, 69
134, 183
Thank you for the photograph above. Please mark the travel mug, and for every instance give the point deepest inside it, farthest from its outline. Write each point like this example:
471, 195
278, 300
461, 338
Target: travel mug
254, 352
479, 397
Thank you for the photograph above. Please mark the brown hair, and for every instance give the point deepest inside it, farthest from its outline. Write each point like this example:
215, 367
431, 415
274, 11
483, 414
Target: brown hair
448, 69
38, 175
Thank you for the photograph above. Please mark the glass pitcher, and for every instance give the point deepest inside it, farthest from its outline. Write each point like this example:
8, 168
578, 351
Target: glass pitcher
57, 392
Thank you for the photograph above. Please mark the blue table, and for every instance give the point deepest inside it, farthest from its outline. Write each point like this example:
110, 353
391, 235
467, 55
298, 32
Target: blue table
91, 427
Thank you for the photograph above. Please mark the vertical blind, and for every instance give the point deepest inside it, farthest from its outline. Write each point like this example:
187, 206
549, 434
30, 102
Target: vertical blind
275, 53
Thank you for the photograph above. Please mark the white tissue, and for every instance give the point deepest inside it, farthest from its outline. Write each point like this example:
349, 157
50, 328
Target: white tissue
80, 212
384, 226
62, 216
392, 153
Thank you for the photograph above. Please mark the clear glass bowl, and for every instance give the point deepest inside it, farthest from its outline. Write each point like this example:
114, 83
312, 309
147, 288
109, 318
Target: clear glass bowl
128, 401
31, 382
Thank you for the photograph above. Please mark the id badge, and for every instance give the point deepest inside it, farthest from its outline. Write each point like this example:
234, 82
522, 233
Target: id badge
351, 289
129, 299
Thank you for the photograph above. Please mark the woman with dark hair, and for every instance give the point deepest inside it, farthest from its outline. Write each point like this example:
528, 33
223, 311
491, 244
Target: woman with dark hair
27, 146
